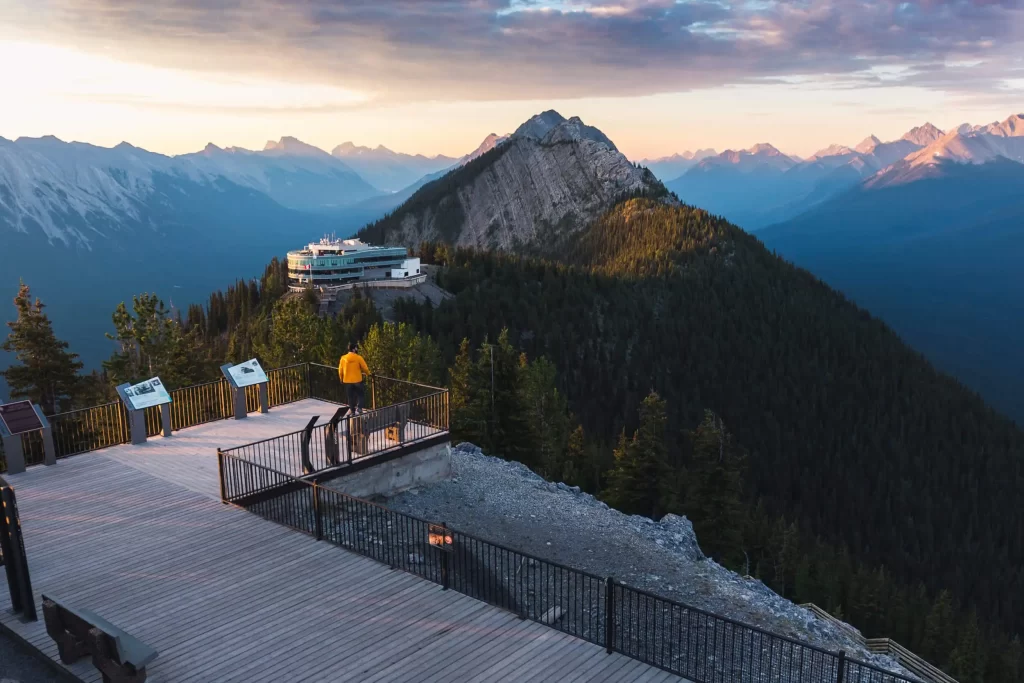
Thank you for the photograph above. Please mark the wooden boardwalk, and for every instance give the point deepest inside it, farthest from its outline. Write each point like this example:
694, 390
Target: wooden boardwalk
138, 535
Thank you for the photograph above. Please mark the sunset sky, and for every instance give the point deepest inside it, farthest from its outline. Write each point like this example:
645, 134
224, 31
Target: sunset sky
436, 76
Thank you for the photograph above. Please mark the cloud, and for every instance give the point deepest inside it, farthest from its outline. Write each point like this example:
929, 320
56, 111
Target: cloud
414, 50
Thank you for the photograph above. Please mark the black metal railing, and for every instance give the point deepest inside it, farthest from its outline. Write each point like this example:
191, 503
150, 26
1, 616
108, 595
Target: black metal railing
350, 438
693, 643
96, 427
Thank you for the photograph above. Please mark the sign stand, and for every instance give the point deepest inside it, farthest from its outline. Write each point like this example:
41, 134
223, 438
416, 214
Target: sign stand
23, 417
244, 375
151, 394
12, 545
237, 394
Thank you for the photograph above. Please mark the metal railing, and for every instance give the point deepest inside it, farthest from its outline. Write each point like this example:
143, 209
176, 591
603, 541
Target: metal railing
695, 644
90, 429
351, 438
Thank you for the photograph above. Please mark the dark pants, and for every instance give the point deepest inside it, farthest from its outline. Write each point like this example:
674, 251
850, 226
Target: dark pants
356, 393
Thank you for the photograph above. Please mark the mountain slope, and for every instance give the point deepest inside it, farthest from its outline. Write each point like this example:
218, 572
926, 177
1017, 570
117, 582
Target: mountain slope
850, 434
938, 258
116, 222
548, 179
387, 170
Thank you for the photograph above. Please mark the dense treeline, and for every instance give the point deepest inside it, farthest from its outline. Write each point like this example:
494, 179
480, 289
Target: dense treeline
897, 483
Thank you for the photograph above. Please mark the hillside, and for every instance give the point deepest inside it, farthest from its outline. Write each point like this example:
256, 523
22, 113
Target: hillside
550, 178
938, 259
849, 433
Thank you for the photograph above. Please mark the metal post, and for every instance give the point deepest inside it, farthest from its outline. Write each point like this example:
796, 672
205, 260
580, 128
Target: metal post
7, 551
238, 399
138, 422
331, 438
14, 454
49, 452
307, 435
264, 399
19, 559
841, 667
444, 556
165, 418
609, 614
220, 475
318, 523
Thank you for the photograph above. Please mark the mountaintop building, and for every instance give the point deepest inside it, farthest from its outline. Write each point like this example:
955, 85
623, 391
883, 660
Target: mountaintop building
335, 262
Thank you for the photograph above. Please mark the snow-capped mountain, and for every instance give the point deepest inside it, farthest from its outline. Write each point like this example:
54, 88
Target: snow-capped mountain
388, 170
760, 157
289, 171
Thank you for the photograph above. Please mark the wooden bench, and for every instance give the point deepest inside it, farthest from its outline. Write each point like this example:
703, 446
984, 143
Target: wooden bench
120, 657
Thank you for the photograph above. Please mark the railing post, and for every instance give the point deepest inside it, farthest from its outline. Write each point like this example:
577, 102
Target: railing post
841, 667
444, 556
307, 435
220, 474
609, 615
318, 523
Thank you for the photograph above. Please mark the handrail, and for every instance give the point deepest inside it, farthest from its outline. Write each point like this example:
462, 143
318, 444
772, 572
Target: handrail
633, 622
91, 428
385, 377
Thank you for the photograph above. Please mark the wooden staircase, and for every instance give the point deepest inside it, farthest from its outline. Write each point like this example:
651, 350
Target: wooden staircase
884, 646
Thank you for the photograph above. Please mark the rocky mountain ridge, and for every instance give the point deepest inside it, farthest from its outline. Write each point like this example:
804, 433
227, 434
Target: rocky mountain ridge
551, 177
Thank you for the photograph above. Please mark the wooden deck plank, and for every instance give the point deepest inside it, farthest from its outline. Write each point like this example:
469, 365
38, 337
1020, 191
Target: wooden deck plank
138, 535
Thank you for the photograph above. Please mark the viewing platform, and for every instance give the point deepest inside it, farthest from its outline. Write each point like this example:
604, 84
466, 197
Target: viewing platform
139, 535
246, 549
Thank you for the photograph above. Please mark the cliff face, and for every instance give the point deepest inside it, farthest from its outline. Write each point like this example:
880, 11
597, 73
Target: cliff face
546, 181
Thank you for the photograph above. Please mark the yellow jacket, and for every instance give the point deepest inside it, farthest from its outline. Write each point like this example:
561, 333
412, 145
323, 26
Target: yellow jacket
351, 368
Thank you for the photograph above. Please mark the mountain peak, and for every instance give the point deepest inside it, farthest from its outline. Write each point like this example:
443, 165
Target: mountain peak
868, 145
575, 130
832, 151
540, 125
293, 147
765, 149
923, 135
1012, 127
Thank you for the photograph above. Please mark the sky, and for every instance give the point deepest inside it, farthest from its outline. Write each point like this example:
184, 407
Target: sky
437, 76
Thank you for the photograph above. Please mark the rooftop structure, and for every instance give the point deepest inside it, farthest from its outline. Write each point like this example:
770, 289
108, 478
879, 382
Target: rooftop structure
334, 262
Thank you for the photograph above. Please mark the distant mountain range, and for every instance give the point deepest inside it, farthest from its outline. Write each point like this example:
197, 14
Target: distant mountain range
761, 186
387, 170
932, 242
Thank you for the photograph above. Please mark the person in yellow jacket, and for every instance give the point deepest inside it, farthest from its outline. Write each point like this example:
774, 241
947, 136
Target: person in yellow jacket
351, 370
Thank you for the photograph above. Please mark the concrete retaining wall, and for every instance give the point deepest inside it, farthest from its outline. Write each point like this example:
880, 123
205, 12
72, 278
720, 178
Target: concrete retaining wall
428, 466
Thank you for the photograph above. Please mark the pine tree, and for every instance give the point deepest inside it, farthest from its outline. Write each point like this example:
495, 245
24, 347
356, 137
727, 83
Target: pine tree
967, 662
44, 372
714, 492
636, 484
939, 634
459, 393
574, 462
398, 351
548, 414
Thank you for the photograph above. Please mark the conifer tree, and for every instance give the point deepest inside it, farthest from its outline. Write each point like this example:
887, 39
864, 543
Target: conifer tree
636, 484
967, 662
548, 414
939, 636
714, 493
44, 372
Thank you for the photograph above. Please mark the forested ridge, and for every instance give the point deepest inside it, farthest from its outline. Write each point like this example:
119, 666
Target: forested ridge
907, 479
667, 362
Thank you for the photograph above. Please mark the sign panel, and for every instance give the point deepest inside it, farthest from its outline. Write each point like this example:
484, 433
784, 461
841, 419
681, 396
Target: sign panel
248, 373
149, 393
20, 417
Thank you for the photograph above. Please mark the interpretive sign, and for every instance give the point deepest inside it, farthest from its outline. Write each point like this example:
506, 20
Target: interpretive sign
149, 393
20, 417
247, 374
